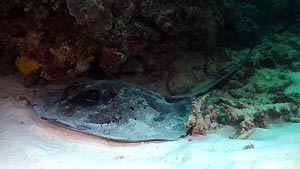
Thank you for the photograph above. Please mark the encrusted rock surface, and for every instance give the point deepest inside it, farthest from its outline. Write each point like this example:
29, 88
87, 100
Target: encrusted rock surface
145, 38
65, 37
46, 32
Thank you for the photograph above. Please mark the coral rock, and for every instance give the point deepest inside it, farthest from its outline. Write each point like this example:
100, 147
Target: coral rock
197, 123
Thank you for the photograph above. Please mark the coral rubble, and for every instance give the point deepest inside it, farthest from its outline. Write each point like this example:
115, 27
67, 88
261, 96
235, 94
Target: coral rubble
198, 122
248, 117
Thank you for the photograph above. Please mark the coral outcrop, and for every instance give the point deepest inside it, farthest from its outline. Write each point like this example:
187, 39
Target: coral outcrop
113, 34
148, 35
280, 50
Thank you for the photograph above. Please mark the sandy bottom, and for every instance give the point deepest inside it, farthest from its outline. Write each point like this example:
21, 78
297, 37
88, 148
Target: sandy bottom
28, 142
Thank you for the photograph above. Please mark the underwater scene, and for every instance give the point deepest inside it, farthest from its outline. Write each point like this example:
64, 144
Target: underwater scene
105, 84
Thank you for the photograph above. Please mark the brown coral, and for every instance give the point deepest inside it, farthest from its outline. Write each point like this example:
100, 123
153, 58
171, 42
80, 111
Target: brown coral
248, 117
196, 123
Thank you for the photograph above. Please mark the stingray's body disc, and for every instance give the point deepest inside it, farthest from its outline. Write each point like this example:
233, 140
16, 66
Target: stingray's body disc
113, 109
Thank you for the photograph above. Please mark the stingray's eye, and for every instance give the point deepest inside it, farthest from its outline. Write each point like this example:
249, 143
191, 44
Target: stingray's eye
88, 98
107, 95
84, 98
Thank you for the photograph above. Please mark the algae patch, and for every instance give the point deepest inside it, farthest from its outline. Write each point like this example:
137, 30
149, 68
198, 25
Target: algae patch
27, 65
270, 80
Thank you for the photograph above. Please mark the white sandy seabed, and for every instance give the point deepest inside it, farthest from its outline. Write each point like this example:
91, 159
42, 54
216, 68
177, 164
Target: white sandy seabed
26, 142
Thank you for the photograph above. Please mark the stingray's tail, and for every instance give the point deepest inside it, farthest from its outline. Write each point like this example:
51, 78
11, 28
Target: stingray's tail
215, 84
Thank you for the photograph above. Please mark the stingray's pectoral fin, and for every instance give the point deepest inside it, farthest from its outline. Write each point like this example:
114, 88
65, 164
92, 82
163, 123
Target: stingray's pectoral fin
55, 121
62, 124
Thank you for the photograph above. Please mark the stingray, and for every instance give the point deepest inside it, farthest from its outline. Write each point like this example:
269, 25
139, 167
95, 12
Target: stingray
119, 110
